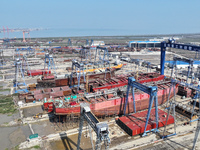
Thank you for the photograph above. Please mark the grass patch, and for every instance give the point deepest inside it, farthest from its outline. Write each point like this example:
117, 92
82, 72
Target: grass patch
2, 90
36, 146
7, 105
17, 147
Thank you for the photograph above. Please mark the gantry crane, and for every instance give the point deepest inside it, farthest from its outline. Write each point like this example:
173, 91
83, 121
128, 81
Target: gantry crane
85, 53
49, 62
100, 128
25, 65
152, 91
79, 68
197, 132
98, 59
172, 44
2, 59
69, 42
190, 67
19, 77
185, 84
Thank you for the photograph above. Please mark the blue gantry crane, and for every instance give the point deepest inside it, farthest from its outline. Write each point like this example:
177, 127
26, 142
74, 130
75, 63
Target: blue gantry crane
79, 68
91, 42
173, 103
29, 50
19, 77
85, 53
172, 44
49, 61
105, 54
25, 65
69, 42
87, 42
152, 91
190, 67
185, 84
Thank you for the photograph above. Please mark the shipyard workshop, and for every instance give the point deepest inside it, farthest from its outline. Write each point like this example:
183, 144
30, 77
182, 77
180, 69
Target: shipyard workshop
100, 93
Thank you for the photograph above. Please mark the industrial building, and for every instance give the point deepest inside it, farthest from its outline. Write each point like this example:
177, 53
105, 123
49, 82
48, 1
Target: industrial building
114, 92
144, 44
181, 64
97, 43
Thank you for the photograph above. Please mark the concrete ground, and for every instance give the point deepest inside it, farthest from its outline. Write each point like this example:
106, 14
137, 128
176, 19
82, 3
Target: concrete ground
12, 136
31, 111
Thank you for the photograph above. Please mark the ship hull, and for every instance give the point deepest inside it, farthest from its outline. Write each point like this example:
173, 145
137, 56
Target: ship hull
66, 81
116, 106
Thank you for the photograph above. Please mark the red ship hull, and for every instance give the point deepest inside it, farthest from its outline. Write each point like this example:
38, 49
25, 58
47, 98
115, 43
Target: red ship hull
116, 105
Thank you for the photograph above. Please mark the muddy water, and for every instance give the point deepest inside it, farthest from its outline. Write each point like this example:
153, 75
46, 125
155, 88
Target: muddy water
70, 142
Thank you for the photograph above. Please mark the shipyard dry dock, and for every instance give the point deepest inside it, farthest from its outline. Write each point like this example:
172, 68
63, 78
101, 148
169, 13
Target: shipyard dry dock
113, 96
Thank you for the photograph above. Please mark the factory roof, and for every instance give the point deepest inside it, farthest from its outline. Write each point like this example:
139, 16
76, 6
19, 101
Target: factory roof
144, 42
196, 62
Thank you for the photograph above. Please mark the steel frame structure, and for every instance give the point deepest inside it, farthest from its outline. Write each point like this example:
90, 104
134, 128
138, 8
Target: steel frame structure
197, 132
78, 67
2, 59
197, 89
18, 71
100, 128
25, 65
190, 67
152, 91
170, 108
85, 52
148, 65
69, 42
29, 50
49, 62
164, 45
105, 54
104, 60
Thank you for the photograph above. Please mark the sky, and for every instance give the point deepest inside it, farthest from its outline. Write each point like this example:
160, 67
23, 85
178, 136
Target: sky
114, 17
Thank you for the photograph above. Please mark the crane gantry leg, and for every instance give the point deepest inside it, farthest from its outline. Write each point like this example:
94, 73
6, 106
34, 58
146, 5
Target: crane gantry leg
152, 91
194, 104
100, 128
170, 108
196, 133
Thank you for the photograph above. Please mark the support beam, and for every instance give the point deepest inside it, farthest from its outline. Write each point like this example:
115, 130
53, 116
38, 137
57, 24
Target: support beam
171, 44
152, 91
100, 128
162, 59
